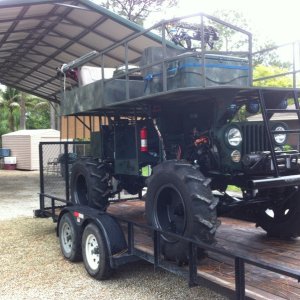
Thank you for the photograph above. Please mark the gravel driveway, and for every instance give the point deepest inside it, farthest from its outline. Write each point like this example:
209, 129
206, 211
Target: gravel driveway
18, 193
33, 268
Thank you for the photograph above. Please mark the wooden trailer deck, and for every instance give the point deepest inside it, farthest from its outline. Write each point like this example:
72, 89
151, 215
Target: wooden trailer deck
238, 237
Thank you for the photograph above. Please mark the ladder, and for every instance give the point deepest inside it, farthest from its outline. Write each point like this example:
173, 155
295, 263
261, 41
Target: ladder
266, 114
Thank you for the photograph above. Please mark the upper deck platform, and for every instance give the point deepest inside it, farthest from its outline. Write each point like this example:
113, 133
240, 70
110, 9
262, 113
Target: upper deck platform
191, 62
188, 57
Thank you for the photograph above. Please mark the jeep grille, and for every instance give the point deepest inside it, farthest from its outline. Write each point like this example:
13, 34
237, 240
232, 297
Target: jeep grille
254, 138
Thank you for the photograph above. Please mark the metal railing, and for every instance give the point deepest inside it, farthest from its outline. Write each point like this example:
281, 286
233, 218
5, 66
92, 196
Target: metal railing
290, 57
161, 40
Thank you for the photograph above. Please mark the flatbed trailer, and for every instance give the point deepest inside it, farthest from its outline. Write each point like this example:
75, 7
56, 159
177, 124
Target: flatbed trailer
243, 264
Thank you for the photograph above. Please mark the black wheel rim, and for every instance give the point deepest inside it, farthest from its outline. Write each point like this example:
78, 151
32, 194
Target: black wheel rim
81, 191
170, 211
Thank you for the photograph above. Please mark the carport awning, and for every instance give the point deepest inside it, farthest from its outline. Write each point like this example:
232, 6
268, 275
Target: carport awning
38, 36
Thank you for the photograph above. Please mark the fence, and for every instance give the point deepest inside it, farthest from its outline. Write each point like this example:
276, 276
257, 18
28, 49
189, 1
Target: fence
56, 159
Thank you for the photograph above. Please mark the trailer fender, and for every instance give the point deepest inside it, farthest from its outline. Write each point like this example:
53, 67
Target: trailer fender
112, 233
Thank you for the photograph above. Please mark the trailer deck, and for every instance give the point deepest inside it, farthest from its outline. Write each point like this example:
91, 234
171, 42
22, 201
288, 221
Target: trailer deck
238, 237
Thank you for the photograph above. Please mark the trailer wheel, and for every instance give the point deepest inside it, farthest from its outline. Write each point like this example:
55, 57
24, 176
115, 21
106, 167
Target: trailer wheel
282, 221
180, 201
69, 238
90, 184
95, 253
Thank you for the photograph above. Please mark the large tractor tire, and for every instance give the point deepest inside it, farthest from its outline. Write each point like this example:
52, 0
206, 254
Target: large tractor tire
282, 219
90, 184
179, 200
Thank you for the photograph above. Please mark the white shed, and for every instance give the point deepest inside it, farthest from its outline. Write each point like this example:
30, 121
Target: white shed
24, 145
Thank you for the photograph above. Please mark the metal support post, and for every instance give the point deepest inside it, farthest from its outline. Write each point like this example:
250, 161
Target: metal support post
42, 184
130, 238
192, 264
156, 243
67, 171
239, 278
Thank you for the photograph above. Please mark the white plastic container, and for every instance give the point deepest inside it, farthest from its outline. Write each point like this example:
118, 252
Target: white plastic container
89, 74
10, 160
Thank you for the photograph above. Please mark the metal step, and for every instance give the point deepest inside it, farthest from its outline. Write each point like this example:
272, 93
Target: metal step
273, 110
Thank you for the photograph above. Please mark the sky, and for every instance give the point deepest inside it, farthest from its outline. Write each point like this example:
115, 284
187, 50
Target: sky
276, 20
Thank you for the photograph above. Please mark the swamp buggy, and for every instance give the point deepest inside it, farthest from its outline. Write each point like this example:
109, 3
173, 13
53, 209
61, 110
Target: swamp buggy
169, 131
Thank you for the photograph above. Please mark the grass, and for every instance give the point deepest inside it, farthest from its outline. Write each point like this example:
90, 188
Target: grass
233, 188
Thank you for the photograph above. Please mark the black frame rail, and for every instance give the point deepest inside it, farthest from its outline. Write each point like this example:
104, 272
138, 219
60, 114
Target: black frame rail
190, 272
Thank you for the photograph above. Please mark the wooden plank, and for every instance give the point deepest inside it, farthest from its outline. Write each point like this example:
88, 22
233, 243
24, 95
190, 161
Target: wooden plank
256, 234
254, 243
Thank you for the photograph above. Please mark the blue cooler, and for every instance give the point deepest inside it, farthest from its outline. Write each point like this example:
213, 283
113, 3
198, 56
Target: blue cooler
153, 75
220, 70
4, 152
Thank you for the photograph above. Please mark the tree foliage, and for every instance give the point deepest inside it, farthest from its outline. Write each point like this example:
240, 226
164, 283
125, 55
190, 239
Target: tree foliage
3, 120
267, 54
261, 71
16, 106
10, 103
229, 38
39, 116
136, 10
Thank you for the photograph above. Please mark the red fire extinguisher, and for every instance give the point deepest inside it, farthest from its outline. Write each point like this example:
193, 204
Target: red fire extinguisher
144, 141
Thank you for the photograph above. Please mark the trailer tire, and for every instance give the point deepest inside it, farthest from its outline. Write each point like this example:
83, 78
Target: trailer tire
179, 200
95, 253
284, 222
90, 184
69, 238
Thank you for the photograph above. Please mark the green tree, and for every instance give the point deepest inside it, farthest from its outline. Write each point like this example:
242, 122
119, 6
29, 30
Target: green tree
20, 111
230, 39
267, 54
261, 71
136, 10
3, 118
38, 115
10, 102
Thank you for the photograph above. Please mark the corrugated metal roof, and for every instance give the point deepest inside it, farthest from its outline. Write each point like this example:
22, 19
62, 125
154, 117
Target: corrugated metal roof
38, 36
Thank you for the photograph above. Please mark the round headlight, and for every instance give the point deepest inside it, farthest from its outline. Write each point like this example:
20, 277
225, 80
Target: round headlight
280, 138
252, 107
234, 136
236, 156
